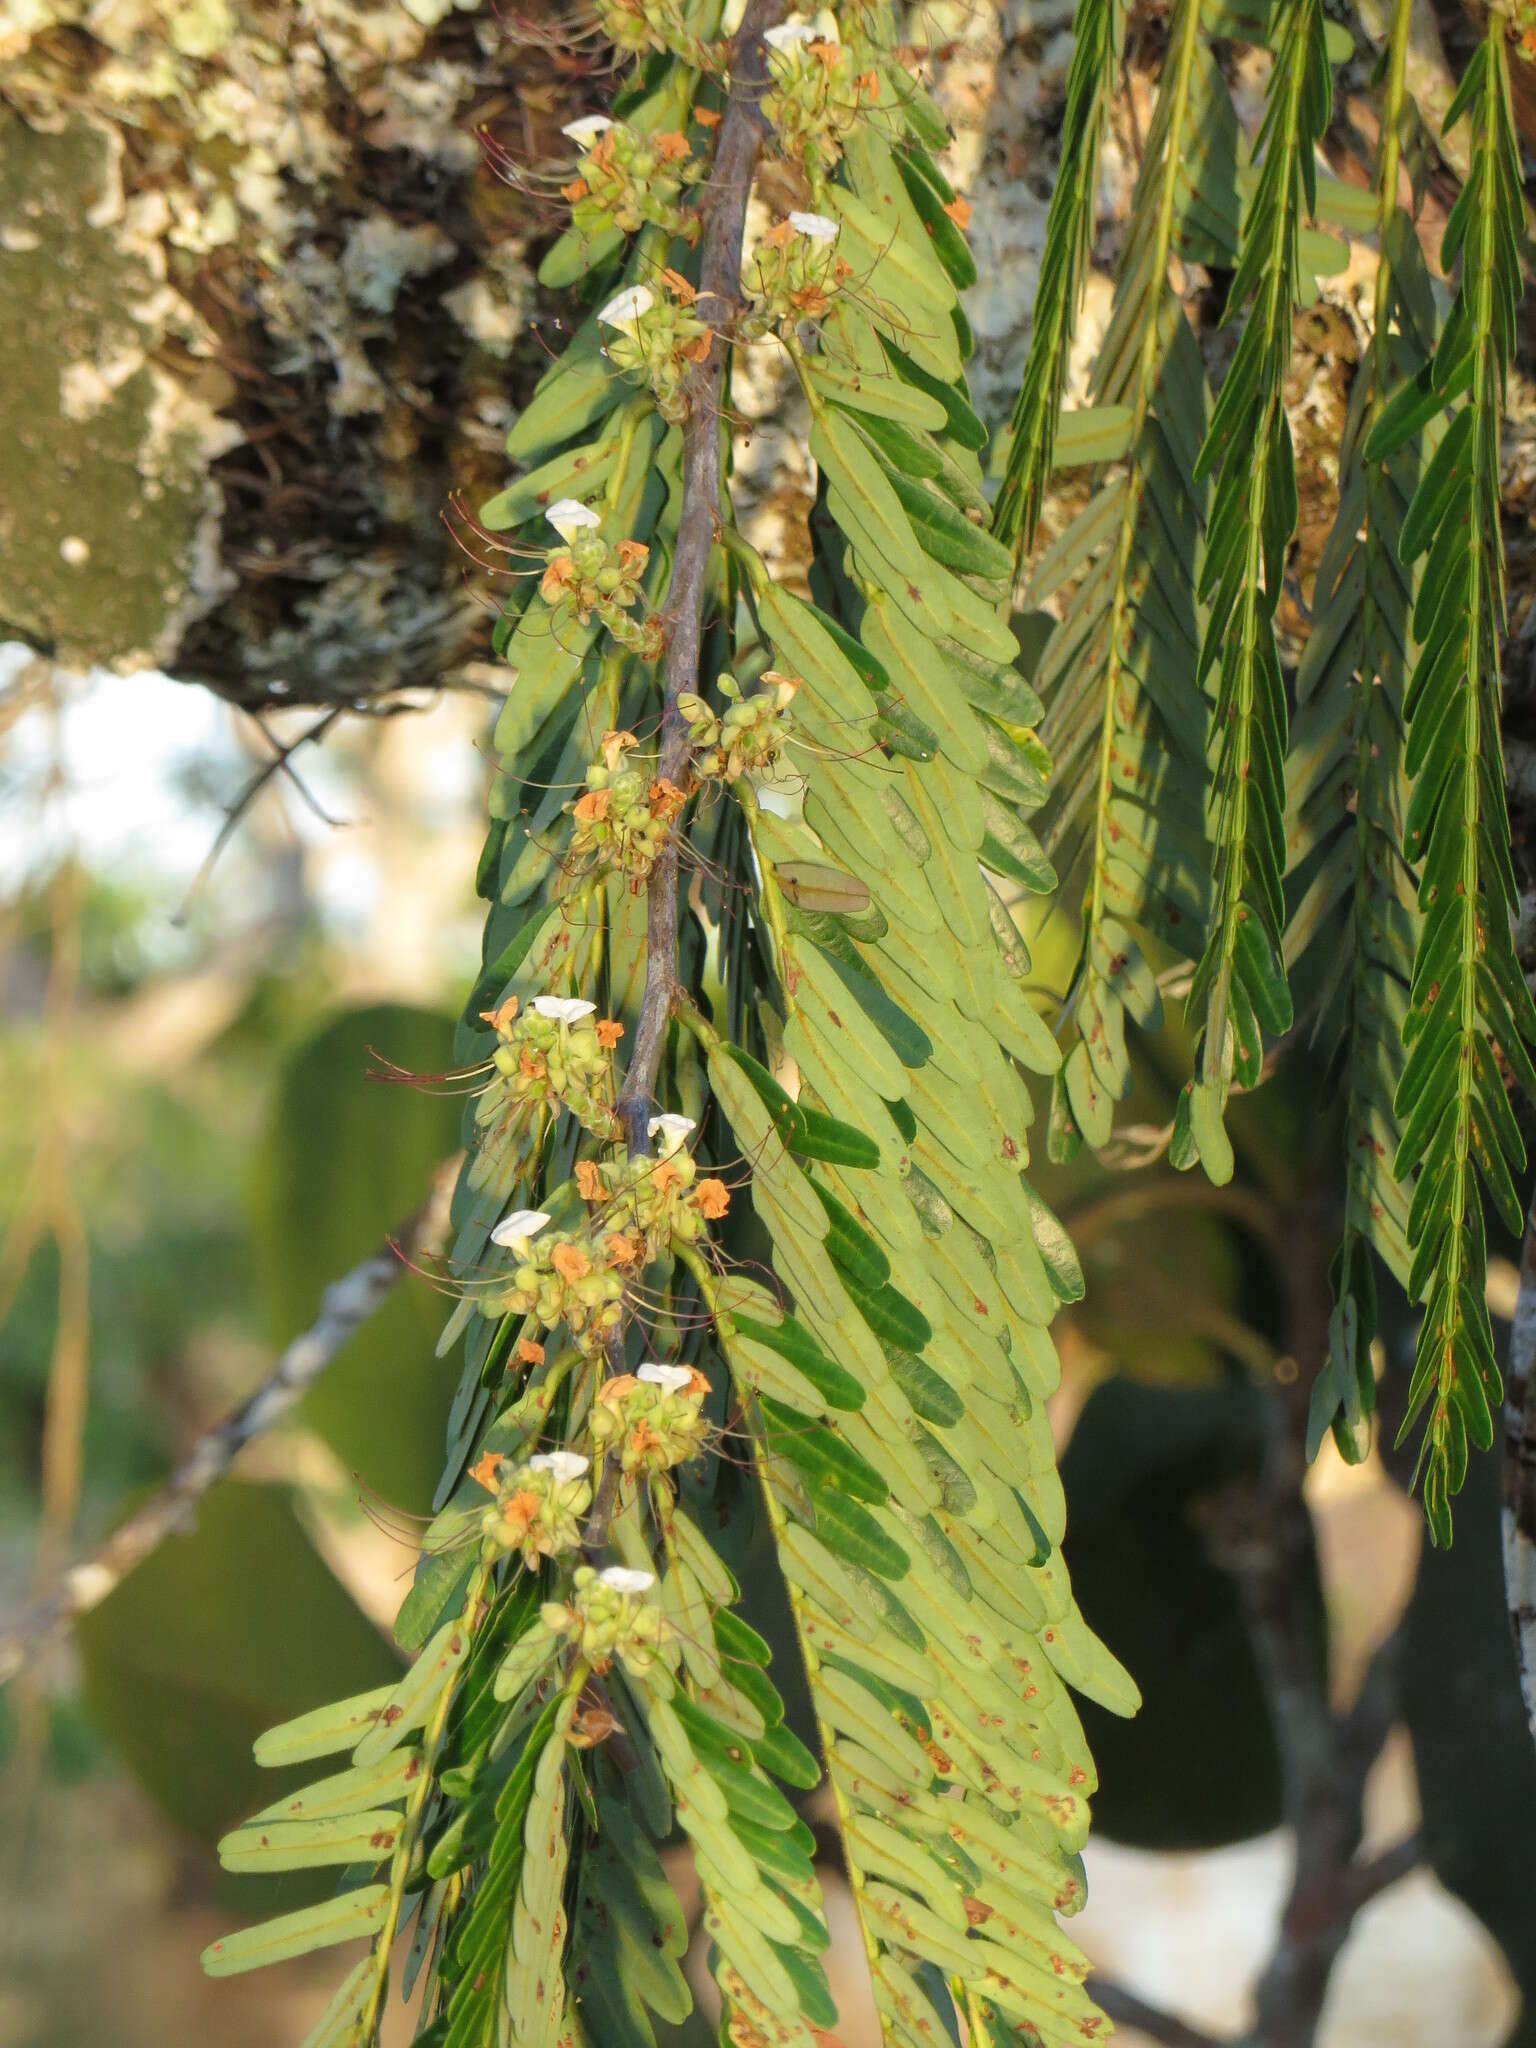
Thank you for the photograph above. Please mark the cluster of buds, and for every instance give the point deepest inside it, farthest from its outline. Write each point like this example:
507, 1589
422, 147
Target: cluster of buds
587, 575
555, 1054
653, 1418
622, 821
816, 92
659, 1202
609, 1615
639, 26
793, 274
658, 335
563, 1277
539, 1504
626, 179
750, 737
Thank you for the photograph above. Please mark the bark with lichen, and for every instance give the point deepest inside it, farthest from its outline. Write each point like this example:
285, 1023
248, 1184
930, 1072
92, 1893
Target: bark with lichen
266, 311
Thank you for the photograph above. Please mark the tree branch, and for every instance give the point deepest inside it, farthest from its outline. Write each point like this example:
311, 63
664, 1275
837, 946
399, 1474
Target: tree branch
1127, 2010
345, 1306
724, 210
1519, 1519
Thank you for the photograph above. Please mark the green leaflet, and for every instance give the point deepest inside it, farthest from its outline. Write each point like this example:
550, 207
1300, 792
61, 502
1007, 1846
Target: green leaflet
1466, 993
360, 1838
902, 284
414, 1698
1348, 794
347, 1792
323, 1731
349, 1918
1099, 32
871, 512
1253, 512
1126, 809
575, 394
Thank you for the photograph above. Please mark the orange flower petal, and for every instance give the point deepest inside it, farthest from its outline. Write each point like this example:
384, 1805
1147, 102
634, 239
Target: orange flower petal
570, 1262
484, 1470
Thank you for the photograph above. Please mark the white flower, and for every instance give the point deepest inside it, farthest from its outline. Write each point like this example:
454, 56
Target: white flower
815, 226
563, 1009
672, 1377
790, 33
562, 1466
586, 131
568, 516
515, 1230
629, 308
620, 1579
671, 1130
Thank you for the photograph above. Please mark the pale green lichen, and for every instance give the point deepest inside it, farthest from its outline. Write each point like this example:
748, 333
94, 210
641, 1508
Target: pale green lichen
302, 183
107, 514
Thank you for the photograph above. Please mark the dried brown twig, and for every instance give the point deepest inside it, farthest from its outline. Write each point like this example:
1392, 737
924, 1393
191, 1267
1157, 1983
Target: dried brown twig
345, 1306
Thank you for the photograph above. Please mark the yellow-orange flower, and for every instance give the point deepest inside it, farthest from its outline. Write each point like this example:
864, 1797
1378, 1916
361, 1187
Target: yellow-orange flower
485, 1469
570, 1262
500, 1019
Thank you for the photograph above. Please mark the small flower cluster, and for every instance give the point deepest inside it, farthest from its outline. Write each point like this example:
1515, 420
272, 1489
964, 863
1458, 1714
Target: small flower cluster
751, 736
539, 1503
653, 1418
658, 335
564, 1277
627, 179
640, 26
609, 1616
657, 1202
623, 820
549, 1056
793, 274
587, 575
816, 92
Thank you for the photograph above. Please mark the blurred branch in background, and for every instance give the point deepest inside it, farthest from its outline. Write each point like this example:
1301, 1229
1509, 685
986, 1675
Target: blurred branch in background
1256, 1523
1260, 1533
50, 1211
346, 1305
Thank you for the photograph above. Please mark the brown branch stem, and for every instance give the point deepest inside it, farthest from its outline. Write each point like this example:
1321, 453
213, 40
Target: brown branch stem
724, 211
1519, 1510
1126, 2009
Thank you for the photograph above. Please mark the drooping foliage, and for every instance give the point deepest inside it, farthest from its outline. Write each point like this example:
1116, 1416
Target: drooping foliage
1468, 1007
1354, 901
1369, 848
745, 1234
1098, 32
752, 1274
